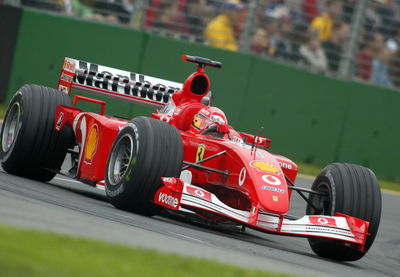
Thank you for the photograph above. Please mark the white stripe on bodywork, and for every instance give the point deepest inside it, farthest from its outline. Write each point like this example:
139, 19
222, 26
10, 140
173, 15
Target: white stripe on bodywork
270, 222
82, 127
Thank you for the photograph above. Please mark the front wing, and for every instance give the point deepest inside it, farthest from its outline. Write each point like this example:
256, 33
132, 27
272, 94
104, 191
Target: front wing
181, 196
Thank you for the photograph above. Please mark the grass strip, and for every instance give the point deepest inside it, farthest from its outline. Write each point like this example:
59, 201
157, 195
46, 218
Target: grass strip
37, 253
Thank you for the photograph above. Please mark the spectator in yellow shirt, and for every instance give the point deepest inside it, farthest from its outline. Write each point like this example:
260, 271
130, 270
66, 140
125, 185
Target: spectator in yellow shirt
323, 24
220, 31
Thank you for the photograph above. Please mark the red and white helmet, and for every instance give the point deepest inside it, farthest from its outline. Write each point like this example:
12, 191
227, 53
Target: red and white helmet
205, 117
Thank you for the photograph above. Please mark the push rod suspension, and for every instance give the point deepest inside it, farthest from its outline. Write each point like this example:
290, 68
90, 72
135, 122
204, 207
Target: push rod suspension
201, 167
300, 193
306, 190
206, 159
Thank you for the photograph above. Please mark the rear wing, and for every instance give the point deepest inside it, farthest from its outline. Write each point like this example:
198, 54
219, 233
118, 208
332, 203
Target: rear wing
115, 83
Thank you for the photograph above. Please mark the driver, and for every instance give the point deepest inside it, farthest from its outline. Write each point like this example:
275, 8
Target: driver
208, 116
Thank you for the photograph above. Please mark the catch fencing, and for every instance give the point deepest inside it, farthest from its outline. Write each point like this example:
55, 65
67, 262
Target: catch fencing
312, 117
349, 39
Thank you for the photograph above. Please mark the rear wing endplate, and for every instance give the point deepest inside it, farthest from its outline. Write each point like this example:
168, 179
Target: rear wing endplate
115, 83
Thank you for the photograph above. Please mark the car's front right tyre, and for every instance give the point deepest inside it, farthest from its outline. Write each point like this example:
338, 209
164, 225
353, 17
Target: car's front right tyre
351, 190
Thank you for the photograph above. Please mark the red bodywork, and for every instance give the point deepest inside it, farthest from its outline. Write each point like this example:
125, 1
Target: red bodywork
250, 187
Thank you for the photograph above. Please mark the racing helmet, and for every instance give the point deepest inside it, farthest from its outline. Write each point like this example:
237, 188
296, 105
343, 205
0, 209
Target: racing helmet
206, 117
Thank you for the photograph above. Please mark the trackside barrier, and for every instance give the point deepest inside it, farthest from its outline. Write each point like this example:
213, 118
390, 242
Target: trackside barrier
308, 116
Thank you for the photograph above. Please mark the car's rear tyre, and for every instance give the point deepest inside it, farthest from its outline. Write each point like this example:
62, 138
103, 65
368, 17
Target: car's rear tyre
144, 151
30, 145
352, 190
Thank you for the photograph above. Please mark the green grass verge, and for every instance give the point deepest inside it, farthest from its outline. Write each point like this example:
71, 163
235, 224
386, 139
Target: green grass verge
314, 170
36, 253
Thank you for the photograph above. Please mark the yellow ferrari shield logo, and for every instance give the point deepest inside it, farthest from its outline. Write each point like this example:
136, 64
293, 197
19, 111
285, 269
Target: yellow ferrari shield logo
201, 149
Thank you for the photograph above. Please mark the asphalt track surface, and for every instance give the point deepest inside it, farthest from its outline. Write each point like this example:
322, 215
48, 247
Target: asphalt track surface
69, 207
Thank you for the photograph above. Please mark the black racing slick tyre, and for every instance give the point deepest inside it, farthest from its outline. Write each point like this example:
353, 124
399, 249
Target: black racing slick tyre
352, 190
30, 145
145, 150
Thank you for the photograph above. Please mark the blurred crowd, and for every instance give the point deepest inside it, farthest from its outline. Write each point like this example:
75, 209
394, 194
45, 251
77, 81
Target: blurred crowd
312, 33
114, 11
316, 33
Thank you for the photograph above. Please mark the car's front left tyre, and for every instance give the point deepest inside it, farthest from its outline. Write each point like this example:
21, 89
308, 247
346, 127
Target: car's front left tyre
145, 150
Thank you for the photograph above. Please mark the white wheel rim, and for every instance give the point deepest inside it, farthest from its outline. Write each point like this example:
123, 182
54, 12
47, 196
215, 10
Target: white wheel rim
11, 127
120, 159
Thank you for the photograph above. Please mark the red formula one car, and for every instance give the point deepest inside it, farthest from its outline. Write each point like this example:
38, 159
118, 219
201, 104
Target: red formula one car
184, 158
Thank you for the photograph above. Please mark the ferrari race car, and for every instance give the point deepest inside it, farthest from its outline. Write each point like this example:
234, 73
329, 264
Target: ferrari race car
185, 158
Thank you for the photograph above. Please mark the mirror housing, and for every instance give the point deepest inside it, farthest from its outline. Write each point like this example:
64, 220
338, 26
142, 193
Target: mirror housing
249, 139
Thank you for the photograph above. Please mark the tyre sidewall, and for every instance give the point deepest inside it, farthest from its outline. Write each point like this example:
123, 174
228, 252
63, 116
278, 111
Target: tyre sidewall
347, 183
38, 150
5, 155
124, 185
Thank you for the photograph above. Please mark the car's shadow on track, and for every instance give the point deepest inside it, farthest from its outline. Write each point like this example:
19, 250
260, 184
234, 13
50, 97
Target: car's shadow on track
95, 194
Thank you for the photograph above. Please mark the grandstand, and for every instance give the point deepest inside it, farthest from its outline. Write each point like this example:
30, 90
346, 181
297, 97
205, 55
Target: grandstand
349, 39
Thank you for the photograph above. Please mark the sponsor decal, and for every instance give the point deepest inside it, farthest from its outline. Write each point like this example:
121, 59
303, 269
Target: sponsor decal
237, 140
59, 121
63, 88
258, 140
91, 143
316, 220
69, 65
273, 189
201, 149
263, 166
199, 193
242, 176
165, 118
66, 78
285, 165
217, 118
275, 198
206, 113
240, 143
128, 83
168, 200
272, 180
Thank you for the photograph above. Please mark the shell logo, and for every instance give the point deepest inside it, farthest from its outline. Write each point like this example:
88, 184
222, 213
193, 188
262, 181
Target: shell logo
91, 143
263, 166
